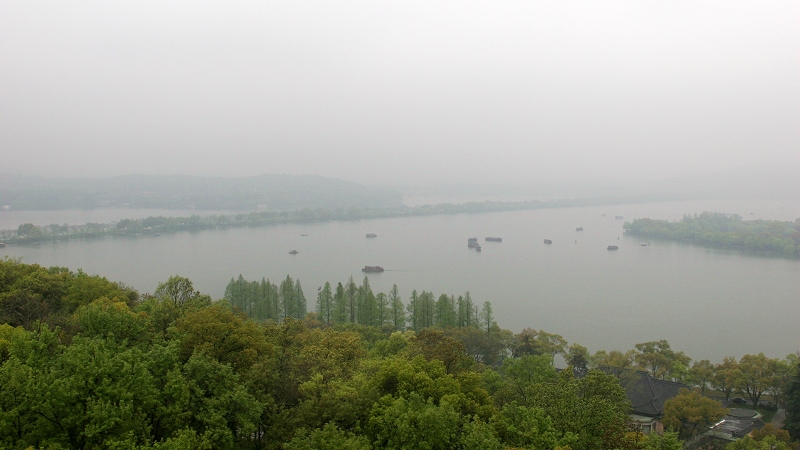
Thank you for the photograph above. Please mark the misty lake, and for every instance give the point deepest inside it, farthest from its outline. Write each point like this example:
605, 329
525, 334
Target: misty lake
707, 302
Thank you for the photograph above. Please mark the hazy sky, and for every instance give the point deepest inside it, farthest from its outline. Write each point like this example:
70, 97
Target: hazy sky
398, 91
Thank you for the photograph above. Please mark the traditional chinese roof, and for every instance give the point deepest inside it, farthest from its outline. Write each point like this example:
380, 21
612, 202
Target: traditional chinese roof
646, 394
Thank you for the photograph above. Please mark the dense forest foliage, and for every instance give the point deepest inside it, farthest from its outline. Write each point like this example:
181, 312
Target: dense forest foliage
88, 363
724, 230
29, 232
271, 192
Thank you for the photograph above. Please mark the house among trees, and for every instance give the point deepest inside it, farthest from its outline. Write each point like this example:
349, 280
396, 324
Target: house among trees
738, 424
647, 396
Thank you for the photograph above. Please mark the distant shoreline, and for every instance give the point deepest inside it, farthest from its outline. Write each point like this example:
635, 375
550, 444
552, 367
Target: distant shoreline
29, 233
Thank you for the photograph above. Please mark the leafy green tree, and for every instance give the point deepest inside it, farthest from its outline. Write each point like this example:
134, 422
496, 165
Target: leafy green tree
590, 412
525, 343
398, 314
781, 378
487, 319
413, 423
301, 305
82, 289
578, 358
701, 374
613, 359
484, 348
339, 305
769, 430
467, 311
330, 437
268, 306
756, 372
219, 407
768, 443
660, 360
221, 334
367, 307
725, 376
551, 344
665, 441
522, 427
325, 304
478, 435
414, 311
93, 395
30, 293
691, 408
17, 416
792, 423
445, 313
180, 293
383, 311
113, 320
527, 372
425, 310
434, 345
532, 342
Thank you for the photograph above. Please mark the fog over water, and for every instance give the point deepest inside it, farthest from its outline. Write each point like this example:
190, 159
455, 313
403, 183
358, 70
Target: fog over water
410, 92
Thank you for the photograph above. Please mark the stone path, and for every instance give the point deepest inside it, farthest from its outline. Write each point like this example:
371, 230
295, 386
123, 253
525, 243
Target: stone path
778, 418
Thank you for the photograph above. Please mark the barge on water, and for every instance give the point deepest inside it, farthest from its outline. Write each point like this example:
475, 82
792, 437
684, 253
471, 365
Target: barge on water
372, 269
494, 239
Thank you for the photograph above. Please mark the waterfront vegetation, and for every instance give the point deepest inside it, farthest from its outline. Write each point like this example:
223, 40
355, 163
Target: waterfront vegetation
29, 232
724, 230
89, 363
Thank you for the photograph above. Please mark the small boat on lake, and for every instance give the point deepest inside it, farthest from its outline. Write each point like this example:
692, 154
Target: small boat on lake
303, 235
472, 240
293, 252
372, 269
494, 239
548, 241
618, 217
478, 248
472, 245
371, 235
644, 244
579, 229
613, 247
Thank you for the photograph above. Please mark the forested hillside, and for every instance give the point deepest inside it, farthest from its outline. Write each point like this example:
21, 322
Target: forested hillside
88, 363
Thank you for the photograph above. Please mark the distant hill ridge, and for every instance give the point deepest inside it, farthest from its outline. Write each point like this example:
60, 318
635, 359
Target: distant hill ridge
272, 192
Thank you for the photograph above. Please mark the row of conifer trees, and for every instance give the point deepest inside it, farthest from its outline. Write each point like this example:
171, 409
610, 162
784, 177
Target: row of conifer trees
352, 303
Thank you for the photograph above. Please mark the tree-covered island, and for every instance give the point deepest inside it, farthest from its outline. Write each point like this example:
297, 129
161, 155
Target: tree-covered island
723, 230
89, 363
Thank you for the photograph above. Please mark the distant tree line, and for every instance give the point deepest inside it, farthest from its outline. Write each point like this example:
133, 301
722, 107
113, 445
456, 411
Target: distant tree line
357, 304
724, 230
29, 232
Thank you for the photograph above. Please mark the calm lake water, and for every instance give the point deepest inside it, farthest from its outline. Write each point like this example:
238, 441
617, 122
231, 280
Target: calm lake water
707, 302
